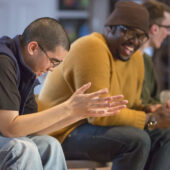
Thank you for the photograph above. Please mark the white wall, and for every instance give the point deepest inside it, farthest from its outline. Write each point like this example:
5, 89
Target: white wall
15, 15
99, 13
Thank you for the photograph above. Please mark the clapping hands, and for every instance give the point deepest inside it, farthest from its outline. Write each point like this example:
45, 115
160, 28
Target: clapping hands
92, 105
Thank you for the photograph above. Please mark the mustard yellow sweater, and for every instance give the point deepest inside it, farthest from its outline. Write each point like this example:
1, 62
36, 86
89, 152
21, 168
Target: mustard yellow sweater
90, 60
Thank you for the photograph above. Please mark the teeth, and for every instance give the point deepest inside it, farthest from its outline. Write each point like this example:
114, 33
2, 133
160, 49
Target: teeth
129, 48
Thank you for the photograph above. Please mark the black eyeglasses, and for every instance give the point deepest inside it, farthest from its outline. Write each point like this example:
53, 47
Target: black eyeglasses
131, 33
164, 26
54, 61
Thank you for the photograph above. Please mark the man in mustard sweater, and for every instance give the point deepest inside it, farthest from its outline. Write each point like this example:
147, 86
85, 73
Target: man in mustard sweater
107, 62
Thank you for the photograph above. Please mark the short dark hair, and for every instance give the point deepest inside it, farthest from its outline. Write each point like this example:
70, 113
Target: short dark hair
156, 11
48, 32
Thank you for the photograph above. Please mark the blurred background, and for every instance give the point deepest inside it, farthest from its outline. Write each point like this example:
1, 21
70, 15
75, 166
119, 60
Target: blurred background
79, 17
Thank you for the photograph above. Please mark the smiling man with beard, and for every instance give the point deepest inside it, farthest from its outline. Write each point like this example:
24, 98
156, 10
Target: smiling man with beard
110, 61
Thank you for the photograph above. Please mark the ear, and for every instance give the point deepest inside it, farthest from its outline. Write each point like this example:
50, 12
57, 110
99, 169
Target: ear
32, 47
154, 29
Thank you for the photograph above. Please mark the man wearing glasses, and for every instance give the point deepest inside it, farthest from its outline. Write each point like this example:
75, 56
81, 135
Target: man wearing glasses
54, 61
158, 31
24, 143
111, 60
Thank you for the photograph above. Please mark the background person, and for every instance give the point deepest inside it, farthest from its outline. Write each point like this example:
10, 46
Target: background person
159, 29
161, 60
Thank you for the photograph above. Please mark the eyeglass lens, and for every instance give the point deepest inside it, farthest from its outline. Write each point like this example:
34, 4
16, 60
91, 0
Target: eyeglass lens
130, 33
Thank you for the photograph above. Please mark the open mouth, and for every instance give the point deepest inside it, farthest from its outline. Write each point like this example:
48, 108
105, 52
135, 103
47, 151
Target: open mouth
127, 50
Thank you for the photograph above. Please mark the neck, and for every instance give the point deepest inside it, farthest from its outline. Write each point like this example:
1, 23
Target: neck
22, 49
24, 52
144, 46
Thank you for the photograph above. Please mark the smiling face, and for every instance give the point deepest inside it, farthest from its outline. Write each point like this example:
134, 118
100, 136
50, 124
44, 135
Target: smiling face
41, 61
124, 41
158, 32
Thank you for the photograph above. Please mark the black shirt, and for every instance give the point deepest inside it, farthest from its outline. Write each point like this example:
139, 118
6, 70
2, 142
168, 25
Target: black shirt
9, 94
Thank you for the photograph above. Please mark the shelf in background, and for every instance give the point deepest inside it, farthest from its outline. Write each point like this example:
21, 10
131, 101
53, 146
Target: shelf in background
73, 14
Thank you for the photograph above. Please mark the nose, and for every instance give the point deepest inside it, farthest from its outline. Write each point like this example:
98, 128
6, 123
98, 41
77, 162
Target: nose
50, 66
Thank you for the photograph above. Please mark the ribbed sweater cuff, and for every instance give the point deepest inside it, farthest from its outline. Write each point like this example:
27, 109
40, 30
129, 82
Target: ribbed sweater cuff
140, 119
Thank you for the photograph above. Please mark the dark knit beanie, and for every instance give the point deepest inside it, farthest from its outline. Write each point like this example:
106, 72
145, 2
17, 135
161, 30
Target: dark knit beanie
131, 14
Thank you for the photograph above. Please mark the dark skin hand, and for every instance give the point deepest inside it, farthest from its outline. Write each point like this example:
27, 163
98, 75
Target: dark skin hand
162, 115
153, 108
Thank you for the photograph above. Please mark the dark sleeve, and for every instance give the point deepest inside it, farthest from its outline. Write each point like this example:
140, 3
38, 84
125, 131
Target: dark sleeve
9, 94
31, 104
150, 91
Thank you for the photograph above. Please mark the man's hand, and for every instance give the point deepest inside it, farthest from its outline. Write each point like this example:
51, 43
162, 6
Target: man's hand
162, 115
92, 105
152, 108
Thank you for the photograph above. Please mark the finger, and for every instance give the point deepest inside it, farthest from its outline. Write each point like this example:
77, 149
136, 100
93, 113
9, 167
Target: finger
83, 88
113, 113
98, 93
123, 102
117, 97
100, 99
106, 112
155, 107
99, 105
110, 98
107, 99
116, 108
107, 104
102, 113
152, 110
